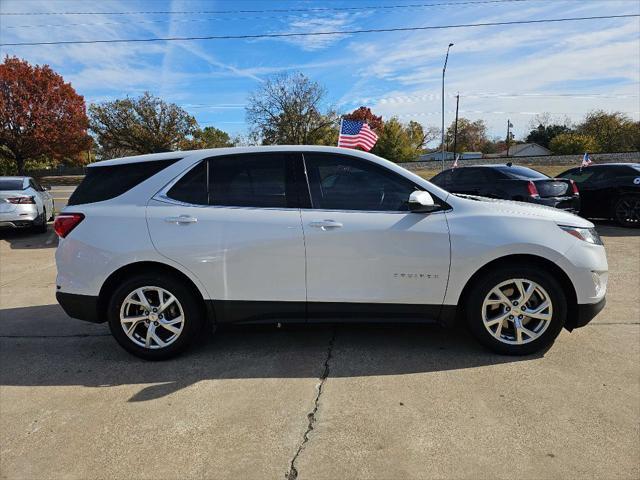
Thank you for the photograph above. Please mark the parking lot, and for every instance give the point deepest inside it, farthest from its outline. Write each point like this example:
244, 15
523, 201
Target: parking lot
333, 402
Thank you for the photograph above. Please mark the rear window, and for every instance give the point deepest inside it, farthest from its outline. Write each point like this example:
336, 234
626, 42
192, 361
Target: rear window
11, 184
521, 172
104, 183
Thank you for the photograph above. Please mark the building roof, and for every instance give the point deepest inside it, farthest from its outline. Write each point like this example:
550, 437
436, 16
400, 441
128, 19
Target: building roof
518, 148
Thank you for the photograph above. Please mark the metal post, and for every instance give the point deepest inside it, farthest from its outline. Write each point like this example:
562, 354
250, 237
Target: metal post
444, 69
455, 129
508, 135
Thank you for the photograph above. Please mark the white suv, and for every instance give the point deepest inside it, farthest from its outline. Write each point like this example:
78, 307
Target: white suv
164, 245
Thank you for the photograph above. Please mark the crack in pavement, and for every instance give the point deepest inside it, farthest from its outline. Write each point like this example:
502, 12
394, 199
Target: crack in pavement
292, 474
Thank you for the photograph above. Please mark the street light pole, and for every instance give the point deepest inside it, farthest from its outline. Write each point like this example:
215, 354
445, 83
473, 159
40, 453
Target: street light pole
444, 69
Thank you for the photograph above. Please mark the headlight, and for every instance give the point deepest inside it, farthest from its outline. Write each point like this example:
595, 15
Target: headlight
586, 234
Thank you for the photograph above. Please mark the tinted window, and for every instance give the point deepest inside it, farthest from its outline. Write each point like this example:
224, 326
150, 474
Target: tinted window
521, 172
103, 183
192, 187
250, 181
578, 175
344, 183
443, 178
468, 175
11, 184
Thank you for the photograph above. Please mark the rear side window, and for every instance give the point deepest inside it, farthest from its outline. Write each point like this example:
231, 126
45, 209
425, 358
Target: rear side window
250, 181
104, 183
192, 187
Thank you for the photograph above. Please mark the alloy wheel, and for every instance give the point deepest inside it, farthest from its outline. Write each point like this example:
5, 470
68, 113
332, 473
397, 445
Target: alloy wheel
628, 210
152, 317
517, 311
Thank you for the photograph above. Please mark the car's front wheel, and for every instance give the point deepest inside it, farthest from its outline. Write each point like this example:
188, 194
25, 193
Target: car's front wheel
154, 318
517, 310
626, 211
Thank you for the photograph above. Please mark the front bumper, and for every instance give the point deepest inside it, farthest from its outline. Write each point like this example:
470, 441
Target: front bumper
82, 307
588, 311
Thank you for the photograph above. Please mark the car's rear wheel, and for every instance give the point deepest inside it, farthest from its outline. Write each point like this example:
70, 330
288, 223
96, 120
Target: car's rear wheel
516, 310
154, 318
626, 211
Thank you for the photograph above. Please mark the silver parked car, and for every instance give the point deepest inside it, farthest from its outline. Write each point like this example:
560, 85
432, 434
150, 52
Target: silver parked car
24, 203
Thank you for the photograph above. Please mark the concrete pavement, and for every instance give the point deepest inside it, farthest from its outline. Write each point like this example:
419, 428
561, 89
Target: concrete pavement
343, 402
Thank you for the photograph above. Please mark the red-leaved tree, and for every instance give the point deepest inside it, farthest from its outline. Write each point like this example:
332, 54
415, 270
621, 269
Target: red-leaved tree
364, 114
40, 115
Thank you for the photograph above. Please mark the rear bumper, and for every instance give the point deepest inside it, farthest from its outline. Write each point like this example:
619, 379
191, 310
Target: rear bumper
82, 307
587, 312
570, 204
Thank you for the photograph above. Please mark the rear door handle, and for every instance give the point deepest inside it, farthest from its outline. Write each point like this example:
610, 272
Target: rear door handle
326, 224
182, 219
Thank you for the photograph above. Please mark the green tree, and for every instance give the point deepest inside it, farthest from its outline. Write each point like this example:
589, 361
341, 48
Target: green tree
146, 124
472, 136
543, 134
288, 110
208, 137
401, 143
572, 143
613, 132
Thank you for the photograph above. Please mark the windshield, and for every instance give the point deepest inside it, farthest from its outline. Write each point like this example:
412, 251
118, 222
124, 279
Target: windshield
521, 172
11, 184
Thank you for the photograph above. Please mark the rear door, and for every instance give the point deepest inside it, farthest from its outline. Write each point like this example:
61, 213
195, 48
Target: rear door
367, 255
234, 222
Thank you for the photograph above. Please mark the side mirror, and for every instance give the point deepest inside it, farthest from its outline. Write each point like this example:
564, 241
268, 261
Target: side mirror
421, 202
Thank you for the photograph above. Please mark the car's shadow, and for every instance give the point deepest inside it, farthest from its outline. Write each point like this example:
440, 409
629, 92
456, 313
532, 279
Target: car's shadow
79, 354
25, 238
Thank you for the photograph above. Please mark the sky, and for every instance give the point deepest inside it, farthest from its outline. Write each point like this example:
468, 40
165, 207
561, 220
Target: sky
511, 72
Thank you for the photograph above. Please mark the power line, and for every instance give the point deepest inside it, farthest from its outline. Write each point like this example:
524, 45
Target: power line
311, 34
278, 10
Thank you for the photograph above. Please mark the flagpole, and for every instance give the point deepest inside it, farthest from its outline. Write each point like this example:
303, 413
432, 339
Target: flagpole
340, 131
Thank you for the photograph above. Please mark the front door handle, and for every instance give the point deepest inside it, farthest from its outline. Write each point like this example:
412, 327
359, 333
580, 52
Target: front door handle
182, 219
326, 224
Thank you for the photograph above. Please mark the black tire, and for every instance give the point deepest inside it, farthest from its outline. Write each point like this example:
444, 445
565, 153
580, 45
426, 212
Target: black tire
487, 282
40, 224
192, 312
626, 211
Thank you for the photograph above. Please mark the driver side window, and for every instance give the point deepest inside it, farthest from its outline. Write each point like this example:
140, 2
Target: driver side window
339, 182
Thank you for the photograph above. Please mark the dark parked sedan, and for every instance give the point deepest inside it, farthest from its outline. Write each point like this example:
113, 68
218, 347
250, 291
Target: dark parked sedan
511, 182
610, 190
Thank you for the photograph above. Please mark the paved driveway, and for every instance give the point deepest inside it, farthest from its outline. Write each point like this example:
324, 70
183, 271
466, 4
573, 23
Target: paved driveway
344, 402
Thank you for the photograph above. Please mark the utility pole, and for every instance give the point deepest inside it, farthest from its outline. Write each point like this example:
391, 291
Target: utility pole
509, 127
455, 128
444, 69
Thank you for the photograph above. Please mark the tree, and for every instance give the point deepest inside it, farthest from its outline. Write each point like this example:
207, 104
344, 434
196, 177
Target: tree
573, 143
287, 110
40, 115
364, 114
398, 142
146, 124
472, 136
209, 137
613, 132
543, 134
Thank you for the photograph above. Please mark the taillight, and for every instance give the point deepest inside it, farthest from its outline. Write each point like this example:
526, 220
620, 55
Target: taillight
574, 188
532, 190
21, 200
65, 222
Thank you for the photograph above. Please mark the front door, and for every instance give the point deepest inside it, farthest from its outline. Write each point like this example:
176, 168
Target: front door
367, 255
239, 233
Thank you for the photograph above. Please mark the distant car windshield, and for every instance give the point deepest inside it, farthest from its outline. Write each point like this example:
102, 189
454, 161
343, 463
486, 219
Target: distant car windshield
11, 184
521, 172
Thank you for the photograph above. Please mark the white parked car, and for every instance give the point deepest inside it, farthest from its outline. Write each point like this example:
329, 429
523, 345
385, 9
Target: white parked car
161, 246
24, 203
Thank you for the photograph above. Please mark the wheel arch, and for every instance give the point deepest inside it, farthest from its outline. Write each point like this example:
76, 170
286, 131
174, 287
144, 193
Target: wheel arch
528, 259
146, 267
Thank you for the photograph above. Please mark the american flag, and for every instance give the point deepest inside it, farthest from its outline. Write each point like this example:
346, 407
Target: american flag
586, 160
356, 134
